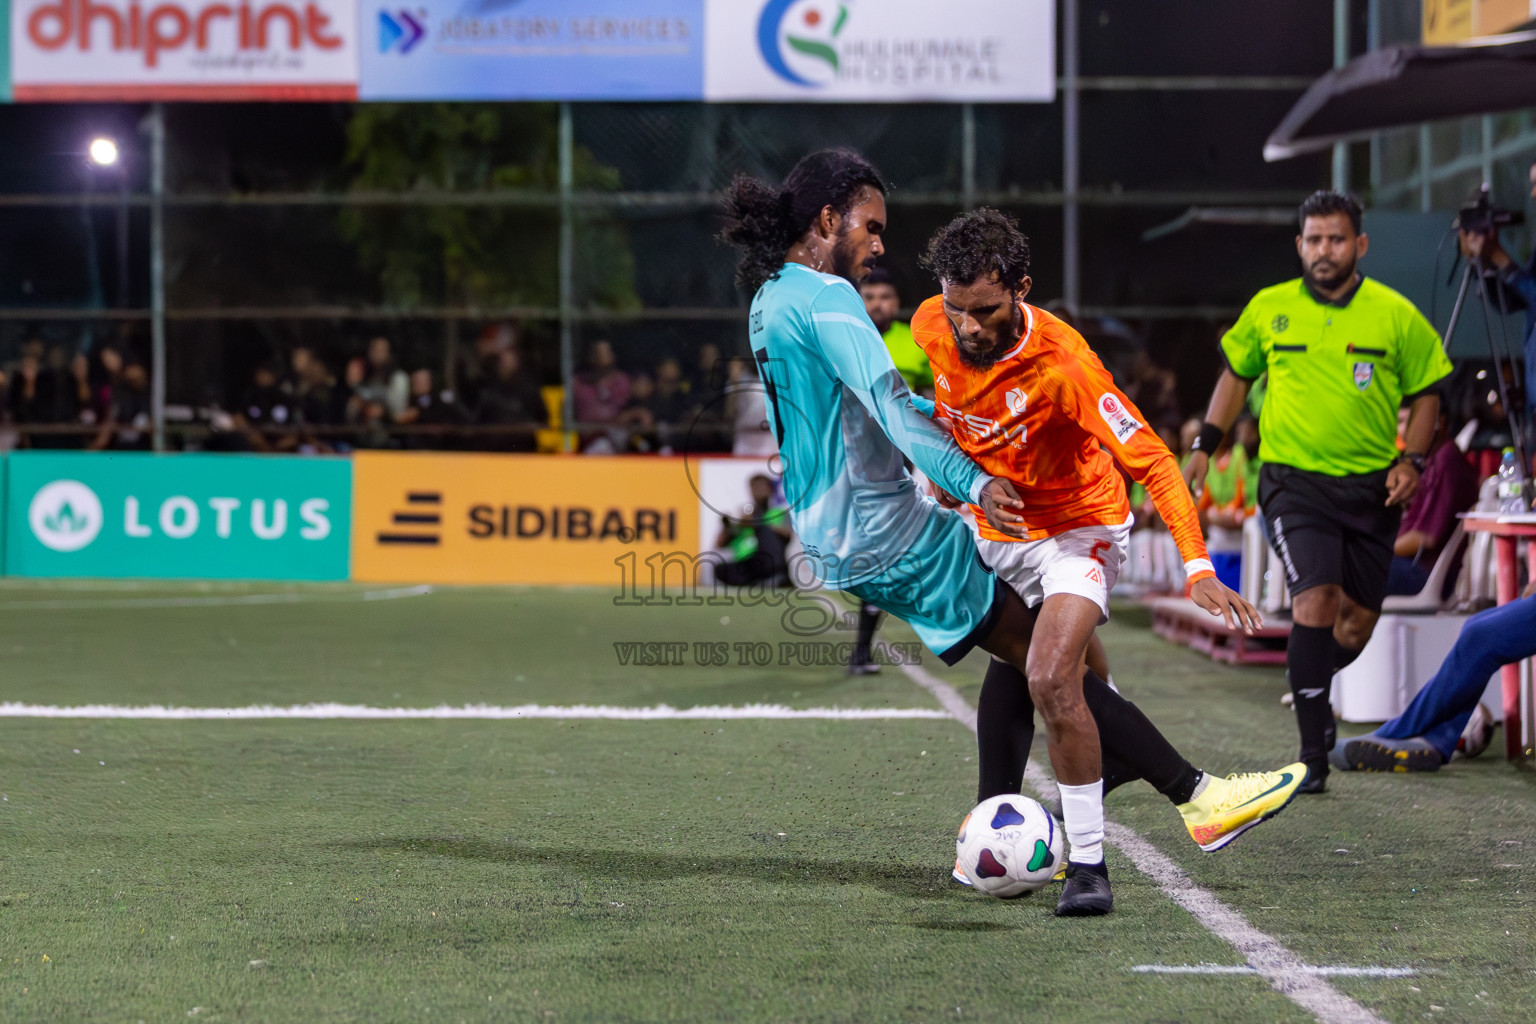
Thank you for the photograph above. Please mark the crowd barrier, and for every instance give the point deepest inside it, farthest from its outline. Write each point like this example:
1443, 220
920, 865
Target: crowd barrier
404, 517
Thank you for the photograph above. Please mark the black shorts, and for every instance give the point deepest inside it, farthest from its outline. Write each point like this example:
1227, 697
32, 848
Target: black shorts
1331, 529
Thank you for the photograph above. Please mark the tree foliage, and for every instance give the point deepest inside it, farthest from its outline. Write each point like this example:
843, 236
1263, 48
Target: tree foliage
477, 256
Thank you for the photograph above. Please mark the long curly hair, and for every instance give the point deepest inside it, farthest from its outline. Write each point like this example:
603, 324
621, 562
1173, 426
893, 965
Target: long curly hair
763, 221
978, 244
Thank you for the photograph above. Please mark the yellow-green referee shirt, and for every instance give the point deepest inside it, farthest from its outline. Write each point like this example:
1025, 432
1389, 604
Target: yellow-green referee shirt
1338, 371
910, 359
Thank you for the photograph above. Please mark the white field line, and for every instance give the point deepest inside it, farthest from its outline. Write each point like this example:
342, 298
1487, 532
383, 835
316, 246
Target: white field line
660, 712
216, 601
1284, 971
1322, 972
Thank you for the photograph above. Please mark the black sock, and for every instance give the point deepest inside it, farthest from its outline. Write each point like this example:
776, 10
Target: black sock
1310, 659
1132, 746
1005, 729
1343, 657
869, 619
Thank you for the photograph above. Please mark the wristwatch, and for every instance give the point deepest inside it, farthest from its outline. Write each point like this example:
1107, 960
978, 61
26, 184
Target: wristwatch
1417, 461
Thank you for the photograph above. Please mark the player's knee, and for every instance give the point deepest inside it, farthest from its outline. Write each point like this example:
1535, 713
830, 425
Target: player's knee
1055, 689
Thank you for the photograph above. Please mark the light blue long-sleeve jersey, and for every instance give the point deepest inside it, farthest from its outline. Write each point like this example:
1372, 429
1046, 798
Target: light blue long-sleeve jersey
836, 405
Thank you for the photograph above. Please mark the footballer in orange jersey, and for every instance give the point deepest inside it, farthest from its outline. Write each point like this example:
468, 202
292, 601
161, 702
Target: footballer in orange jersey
1027, 399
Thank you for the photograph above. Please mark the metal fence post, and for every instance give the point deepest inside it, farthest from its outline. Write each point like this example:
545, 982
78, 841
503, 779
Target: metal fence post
1071, 242
157, 273
567, 270
1340, 58
968, 155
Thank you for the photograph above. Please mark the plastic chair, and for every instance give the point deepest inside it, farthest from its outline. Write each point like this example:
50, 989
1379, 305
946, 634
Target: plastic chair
1428, 600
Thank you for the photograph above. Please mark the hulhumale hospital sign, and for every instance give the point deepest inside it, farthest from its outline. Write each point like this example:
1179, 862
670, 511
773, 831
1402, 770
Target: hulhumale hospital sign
713, 50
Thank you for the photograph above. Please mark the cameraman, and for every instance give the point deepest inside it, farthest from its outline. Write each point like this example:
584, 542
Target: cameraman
1484, 245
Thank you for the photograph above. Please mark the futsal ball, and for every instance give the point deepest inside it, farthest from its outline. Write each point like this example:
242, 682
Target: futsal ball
1009, 845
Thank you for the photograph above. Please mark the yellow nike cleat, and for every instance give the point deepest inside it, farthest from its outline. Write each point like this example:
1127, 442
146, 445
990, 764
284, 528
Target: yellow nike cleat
1231, 806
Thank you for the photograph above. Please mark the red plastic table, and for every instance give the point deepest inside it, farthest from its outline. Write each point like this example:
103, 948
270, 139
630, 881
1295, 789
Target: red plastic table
1508, 531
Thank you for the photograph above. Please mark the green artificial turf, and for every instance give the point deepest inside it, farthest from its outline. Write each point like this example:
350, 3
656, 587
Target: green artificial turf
636, 871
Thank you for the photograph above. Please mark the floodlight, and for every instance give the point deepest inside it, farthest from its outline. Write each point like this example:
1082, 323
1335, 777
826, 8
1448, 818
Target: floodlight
103, 152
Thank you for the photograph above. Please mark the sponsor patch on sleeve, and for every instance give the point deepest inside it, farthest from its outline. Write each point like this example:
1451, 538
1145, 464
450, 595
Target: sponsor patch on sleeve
1121, 423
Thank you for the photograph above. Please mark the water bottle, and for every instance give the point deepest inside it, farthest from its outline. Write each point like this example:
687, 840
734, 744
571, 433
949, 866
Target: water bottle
1511, 486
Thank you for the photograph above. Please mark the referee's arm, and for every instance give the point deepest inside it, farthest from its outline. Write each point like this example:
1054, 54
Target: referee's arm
1227, 403
1242, 350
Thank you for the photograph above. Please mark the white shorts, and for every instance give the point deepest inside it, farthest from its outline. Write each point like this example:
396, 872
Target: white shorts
1085, 561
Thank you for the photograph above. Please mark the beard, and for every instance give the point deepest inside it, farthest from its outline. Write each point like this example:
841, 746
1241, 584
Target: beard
987, 358
846, 263
1336, 276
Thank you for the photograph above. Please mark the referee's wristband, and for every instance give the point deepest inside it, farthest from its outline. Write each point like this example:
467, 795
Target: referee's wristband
1210, 438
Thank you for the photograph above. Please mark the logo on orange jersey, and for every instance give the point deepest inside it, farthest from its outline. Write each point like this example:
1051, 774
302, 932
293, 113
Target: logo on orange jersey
1016, 400
1121, 423
942, 382
983, 429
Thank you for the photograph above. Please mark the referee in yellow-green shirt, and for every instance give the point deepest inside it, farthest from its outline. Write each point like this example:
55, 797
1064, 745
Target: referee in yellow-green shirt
1343, 352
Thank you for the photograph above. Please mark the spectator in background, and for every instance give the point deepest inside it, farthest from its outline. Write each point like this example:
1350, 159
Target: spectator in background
105, 379
1518, 280
127, 424
1155, 392
601, 392
671, 405
24, 400
1427, 733
265, 403
430, 407
747, 406
707, 381
490, 343
385, 384
758, 541
311, 389
510, 399
1448, 486
882, 302
639, 415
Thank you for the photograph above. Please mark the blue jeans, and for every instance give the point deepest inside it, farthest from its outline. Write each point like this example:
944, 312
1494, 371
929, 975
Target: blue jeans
1489, 640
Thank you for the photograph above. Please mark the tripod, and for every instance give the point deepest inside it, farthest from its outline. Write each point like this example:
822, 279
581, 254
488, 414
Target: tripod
1502, 354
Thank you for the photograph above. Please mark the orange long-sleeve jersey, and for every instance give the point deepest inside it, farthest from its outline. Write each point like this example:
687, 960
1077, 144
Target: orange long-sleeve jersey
1043, 416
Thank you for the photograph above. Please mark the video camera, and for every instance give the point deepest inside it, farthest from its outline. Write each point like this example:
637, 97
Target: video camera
1479, 215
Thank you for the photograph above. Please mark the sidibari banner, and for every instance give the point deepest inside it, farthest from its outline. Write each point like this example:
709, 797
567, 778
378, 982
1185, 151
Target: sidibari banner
184, 49
443, 518
532, 49
948, 51
177, 516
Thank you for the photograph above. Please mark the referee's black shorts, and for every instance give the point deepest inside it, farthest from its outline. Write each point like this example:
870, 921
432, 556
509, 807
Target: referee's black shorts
1331, 529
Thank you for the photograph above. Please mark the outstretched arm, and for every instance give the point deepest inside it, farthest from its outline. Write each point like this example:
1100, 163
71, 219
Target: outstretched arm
1087, 393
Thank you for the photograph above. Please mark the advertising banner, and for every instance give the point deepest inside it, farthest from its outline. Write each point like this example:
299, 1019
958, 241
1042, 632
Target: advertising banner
447, 518
533, 50
1452, 21
984, 51
5, 51
184, 49
177, 516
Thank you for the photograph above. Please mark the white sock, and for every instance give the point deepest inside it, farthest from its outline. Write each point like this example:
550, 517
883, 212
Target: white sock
1083, 809
1205, 780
